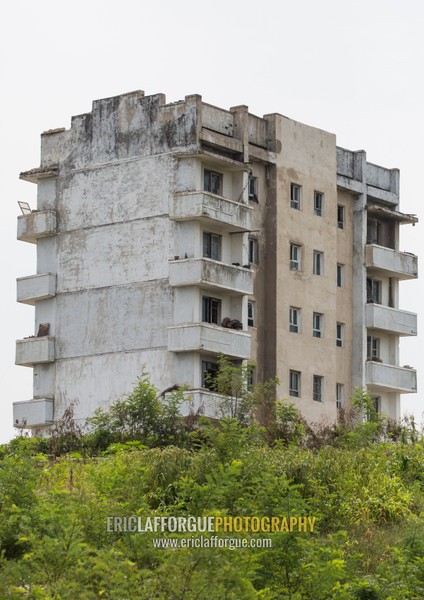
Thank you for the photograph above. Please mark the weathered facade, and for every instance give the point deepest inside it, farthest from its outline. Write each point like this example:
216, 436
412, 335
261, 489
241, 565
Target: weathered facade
157, 224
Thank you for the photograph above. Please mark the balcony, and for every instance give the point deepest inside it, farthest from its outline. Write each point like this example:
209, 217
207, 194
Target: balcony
393, 263
35, 287
203, 206
388, 378
210, 274
33, 413
203, 402
36, 225
35, 350
209, 338
391, 320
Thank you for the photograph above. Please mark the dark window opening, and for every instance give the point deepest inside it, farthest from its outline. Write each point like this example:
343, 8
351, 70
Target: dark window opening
211, 309
253, 251
373, 291
253, 188
318, 203
212, 182
317, 388
251, 316
294, 384
212, 246
340, 216
209, 373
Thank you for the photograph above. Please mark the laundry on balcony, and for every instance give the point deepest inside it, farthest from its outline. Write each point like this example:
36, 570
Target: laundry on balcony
231, 323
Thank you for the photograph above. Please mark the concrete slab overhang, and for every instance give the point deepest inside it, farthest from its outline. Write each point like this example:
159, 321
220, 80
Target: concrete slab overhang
393, 263
204, 402
205, 337
390, 320
36, 225
381, 377
35, 287
387, 213
35, 350
211, 275
33, 413
206, 207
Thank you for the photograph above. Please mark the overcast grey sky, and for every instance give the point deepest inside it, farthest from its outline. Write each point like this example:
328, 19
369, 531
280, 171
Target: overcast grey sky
352, 68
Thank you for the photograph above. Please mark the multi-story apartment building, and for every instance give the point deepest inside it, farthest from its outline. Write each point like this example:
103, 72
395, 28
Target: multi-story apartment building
168, 234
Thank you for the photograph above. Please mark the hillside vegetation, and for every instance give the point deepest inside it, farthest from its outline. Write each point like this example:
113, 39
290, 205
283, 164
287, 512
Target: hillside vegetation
364, 484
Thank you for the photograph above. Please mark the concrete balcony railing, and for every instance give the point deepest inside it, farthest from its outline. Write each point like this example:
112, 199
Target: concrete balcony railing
210, 274
196, 337
36, 225
392, 320
204, 402
33, 413
394, 264
35, 350
208, 207
389, 378
35, 287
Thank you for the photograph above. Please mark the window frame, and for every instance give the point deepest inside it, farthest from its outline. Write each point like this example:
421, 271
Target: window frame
318, 388
251, 313
211, 308
317, 325
295, 377
252, 189
296, 196
253, 250
340, 275
209, 367
341, 216
295, 263
213, 242
294, 319
318, 263
340, 395
375, 285
318, 203
373, 348
340, 334
209, 177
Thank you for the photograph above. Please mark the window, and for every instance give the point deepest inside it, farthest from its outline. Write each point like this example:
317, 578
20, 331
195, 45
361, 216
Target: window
295, 257
253, 188
211, 310
294, 319
340, 275
340, 216
251, 314
377, 403
253, 251
296, 196
318, 384
212, 182
317, 320
373, 291
250, 376
318, 203
212, 245
209, 372
339, 395
339, 334
373, 348
318, 266
373, 231
294, 383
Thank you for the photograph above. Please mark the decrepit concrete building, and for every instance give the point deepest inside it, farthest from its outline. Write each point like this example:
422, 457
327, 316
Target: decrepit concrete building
167, 234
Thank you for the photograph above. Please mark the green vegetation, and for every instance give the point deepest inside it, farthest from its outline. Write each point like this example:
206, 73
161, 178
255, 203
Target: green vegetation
362, 480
